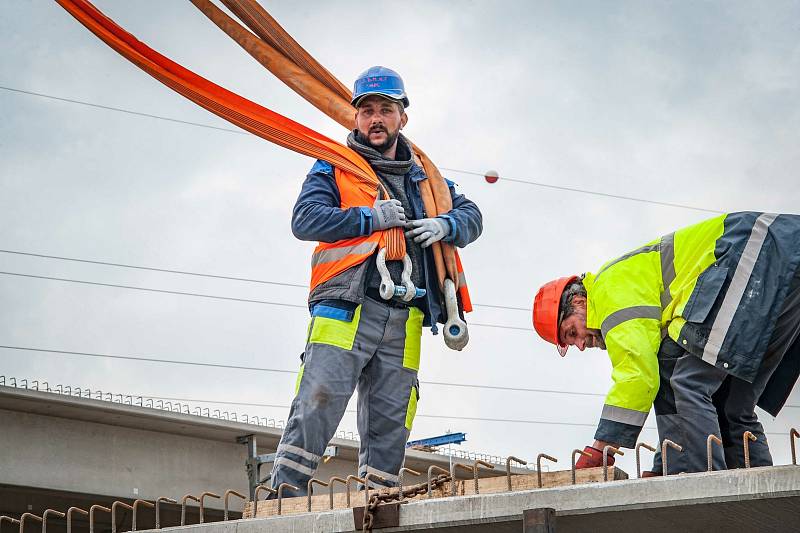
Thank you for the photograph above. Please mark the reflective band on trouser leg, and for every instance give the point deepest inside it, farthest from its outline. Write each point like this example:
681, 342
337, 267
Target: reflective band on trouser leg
719, 330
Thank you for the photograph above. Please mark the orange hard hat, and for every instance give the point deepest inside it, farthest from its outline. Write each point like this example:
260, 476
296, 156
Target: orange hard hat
545, 311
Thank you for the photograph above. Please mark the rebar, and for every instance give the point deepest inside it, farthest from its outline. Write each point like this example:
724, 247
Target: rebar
367, 478
607, 449
259, 489
574, 453
183, 506
347, 484
91, 515
639, 446
48, 512
664, 445
202, 503
309, 489
746, 438
792, 434
709, 456
475, 472
158, 507
539, 466
508, 467
114, 513
69, 516
280, 493
10, 520
468, 468
401, 477
27, 515
136, 504
430, 476
228, 494
333, 480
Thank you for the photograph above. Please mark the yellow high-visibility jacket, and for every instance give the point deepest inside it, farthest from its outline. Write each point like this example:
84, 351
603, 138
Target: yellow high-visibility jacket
715, 288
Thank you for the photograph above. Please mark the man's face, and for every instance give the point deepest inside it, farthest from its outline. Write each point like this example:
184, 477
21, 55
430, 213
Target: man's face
573, 331
379, 120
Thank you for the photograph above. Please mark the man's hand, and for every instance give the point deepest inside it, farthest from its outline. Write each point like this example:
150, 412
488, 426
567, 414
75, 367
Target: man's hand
596, 456
427, 231
387, 214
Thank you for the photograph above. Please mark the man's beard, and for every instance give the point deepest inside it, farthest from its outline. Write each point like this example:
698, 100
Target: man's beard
385, 145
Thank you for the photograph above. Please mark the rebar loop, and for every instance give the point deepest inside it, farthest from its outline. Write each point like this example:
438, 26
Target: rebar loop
280, 493
158, 508
664, 445
48, 512
331, 481
8, 519
136, 504
310, 489
183, 506
114, 513
91, 515
202, 503
508, 467
792, 434
639, 446
574, 453
475, 472
453, 483
607, 449
22, 520
228, 494
401, 478
710, 440
347, 485
430, 478
746, 438
259, 489
367, 479
539, 465
69, 516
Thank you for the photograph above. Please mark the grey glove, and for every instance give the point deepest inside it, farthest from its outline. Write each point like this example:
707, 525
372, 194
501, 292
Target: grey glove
387, 214
427, 231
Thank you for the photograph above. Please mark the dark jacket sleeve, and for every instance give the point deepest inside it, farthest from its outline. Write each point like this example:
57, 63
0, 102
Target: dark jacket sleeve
317, 215
466, 221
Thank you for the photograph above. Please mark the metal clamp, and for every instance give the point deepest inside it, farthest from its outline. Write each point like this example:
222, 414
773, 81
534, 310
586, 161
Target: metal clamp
69, 516
475, 472
309, 489
664, 446
746, 438
48, 512
158, 509
136, 504
406, 290
638, 459
456, 334
331, 481
228, 494
607, 449
574, 453
430, 478
508, 467
709, 456
280, 493
539, 465
183, 506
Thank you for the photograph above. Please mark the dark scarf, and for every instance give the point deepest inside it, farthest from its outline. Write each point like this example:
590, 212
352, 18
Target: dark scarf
400, 165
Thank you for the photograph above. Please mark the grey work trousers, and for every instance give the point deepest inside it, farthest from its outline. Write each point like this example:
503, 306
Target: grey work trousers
377, 352
696, 399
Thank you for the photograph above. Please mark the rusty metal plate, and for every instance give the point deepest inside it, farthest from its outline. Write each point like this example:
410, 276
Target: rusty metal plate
387, 515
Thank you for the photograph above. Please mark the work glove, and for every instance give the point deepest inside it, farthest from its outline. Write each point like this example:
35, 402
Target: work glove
595, 459
650, 473
427, 231
387, 214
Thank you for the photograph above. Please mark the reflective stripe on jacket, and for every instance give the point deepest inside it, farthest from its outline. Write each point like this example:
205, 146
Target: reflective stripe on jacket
715, 288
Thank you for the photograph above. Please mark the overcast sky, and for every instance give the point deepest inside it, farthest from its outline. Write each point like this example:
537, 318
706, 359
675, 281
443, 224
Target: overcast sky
694, 103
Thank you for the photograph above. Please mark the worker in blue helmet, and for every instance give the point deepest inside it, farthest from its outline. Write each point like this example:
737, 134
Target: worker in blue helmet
358, 338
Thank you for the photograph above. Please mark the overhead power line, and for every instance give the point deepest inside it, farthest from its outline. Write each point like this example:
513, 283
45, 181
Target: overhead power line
201, 295
199, 274
469, 172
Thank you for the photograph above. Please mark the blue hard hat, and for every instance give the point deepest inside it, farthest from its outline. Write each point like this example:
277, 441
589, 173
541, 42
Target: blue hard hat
382, 81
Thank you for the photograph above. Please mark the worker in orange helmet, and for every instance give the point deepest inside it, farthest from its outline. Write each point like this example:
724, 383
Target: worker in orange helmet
701, 324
